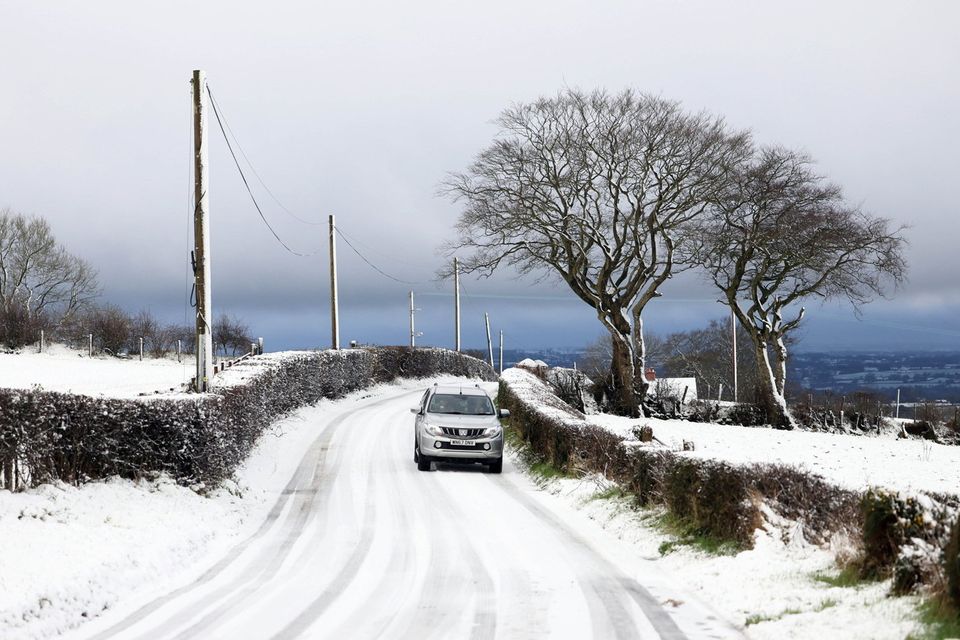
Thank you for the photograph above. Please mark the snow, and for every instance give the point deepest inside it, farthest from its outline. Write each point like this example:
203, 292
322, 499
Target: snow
773, 586
72, 552
849, 461
67, 370
680, 388
366, 546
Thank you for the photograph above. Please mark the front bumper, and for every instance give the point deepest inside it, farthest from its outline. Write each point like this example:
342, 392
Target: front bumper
479, 449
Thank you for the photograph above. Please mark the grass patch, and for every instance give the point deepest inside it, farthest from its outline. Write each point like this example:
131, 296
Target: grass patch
760, 617
686, 534
545, 470
611, 493
940, 620
848, 577
539, 468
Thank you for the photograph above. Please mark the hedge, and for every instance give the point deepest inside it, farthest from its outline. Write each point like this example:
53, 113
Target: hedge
913, 539
46, 436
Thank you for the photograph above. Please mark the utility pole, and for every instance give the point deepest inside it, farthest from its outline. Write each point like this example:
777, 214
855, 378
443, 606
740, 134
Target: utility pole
334, 300
201, 235
733, 329
501, 350
456, 303
486, 320
413, 325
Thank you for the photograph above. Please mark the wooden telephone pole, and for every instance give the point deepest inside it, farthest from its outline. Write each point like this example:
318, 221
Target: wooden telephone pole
501, 352
486, 320
456, 303
733, 329
413, 325
201, 236
334, 299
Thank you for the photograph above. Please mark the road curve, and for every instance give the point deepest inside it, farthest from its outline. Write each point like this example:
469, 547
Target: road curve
362, 545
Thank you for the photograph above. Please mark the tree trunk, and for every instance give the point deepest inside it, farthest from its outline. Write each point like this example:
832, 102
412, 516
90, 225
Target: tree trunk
780, 364
621, 392
772, 397
640, 384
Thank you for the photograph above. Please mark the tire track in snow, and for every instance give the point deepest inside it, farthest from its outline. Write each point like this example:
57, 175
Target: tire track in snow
302, 489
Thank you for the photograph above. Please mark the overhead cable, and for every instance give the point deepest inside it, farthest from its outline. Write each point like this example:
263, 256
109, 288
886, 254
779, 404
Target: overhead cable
246, 184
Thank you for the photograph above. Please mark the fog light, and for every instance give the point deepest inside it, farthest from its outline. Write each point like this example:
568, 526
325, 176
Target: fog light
437, 444
486, 445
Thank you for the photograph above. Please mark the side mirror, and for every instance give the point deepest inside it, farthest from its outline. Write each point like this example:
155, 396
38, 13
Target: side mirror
415, 410
504, 413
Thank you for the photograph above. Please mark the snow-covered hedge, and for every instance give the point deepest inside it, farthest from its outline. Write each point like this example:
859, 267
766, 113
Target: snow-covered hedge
907, 538
48, 436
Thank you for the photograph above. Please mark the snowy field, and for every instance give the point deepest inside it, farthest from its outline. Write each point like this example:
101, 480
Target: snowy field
852, 462
70, 371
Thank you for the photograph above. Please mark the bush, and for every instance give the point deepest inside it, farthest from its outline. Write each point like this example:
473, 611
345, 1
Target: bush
952, 565
713, 498
48, 436
19, 328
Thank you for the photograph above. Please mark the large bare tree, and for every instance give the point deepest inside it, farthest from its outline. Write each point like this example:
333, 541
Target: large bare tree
781, 234
592, 187
38, 276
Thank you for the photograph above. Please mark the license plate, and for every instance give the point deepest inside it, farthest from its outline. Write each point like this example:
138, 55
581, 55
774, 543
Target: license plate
462, 443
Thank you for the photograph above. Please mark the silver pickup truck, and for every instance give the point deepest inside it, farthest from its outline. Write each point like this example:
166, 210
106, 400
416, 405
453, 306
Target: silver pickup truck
458, 424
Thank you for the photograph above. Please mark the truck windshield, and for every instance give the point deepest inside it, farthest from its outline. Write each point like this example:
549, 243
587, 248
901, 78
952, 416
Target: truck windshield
461, 404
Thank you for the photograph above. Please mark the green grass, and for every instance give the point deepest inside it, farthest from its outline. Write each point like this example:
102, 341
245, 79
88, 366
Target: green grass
758, 618
687, 535
848, 577
609, 493
545, 470
539, 468
941, 621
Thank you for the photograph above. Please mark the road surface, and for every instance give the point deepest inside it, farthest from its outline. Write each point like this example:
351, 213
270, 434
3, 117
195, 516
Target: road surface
362, 545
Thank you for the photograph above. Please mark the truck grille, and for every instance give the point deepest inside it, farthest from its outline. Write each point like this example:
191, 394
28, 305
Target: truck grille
455, 432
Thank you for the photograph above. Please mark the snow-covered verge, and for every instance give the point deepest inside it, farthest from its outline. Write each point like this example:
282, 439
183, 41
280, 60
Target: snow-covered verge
731, 488
780, 588
48, 436
71, 552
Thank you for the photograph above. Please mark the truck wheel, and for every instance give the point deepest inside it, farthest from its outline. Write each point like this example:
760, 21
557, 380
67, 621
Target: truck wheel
497, 466
423, 463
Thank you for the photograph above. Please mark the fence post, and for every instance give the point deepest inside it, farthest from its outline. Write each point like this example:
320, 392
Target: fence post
178, 350
141, 349
90, 344
41, 340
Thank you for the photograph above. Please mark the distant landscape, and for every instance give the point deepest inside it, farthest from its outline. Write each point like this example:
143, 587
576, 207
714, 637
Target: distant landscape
924, 376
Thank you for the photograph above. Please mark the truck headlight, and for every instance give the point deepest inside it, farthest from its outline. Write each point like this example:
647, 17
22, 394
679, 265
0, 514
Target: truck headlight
433, 429
491, 432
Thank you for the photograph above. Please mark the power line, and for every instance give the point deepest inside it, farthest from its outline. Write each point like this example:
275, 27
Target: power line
254, 169
246, 184
370, 264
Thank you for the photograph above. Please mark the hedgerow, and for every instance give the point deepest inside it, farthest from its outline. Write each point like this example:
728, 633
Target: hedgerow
47, 436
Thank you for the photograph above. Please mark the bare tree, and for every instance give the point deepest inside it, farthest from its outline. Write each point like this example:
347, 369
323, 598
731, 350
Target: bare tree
707, 354
781, 234
230, 335
38, 276
111, 328
143, 325
591, 188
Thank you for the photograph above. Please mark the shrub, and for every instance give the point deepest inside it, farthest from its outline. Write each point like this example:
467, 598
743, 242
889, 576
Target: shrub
48, 436
952, 565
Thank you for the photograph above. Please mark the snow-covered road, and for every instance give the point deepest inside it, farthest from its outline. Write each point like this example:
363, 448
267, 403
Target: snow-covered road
362, 545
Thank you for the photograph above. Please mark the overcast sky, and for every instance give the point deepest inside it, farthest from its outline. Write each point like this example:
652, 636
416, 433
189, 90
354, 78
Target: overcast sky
360, 108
